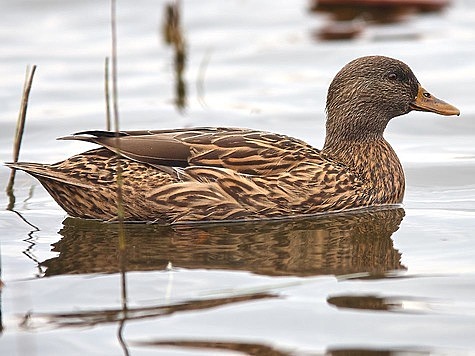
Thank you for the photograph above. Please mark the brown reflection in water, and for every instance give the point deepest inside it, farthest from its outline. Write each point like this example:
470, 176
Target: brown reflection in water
395, 304
375, 352
245, 348
331, 244
348, 16
367, 302
380, 11
258, 349
89, 318
173, 36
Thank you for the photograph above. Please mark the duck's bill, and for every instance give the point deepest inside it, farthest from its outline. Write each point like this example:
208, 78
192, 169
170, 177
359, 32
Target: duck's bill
425, 101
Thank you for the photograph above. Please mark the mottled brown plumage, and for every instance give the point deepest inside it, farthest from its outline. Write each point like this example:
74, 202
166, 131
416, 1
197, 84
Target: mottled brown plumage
209, 174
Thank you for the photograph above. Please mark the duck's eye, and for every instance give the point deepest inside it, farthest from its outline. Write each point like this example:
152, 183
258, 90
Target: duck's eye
392, 76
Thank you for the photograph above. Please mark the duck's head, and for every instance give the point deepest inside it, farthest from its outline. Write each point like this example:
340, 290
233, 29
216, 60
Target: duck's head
370, 91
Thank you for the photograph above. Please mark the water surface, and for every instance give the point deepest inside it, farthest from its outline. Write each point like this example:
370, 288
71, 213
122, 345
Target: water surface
393, 281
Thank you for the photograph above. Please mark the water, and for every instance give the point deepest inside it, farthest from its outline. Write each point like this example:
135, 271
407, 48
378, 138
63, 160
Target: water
391, 281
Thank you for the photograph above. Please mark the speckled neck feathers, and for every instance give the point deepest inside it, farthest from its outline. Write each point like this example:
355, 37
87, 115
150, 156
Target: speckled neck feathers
362, 98
374, 162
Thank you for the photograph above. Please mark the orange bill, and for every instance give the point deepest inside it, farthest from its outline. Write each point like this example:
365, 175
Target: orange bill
424, 101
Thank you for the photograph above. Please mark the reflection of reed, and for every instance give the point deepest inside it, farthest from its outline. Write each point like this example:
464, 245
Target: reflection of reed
35, 321
332, 244
173, 35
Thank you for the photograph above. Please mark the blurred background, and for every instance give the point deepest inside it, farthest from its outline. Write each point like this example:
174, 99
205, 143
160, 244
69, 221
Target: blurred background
266, 65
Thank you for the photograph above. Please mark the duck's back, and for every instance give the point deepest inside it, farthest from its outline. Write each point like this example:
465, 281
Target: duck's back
242, 150
199, 175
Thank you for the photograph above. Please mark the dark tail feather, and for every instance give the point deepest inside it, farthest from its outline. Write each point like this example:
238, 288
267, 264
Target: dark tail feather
91, 135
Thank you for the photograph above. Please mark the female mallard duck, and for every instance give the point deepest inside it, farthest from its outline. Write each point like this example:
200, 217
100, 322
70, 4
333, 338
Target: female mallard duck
209, 174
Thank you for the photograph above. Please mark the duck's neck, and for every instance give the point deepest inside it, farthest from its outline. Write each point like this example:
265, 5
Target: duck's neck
373, 159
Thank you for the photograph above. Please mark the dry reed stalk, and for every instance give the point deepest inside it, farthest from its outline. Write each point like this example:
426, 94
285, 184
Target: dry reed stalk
20, 128
120, 201
107, 94
115, 106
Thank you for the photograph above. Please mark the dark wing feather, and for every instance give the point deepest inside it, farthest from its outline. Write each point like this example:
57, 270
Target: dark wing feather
242, 150
147, 148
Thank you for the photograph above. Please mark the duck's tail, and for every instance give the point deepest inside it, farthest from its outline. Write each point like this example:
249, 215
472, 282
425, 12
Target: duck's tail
75, 196
45, 173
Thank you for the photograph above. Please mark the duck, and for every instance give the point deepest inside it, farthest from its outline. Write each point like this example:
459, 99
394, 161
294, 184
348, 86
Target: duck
216, 174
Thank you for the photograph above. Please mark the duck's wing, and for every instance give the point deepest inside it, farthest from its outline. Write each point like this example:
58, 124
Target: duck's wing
242, 150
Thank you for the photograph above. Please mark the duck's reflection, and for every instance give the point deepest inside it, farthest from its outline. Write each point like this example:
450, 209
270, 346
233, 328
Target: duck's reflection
332, 244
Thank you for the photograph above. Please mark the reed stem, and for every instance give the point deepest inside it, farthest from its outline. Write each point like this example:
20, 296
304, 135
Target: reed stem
20, 128
107, 94
120, 202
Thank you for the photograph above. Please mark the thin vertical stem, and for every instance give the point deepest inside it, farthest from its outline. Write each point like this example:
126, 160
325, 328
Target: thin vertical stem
20, 128
107, 94
22, 114
114, 64
120, 202
120, 206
